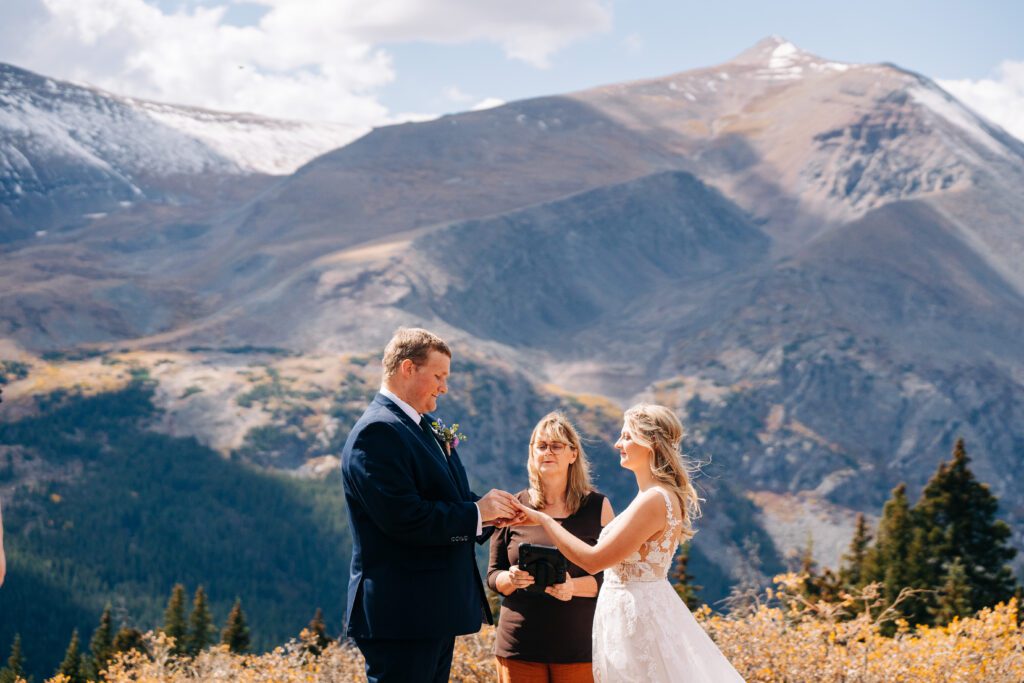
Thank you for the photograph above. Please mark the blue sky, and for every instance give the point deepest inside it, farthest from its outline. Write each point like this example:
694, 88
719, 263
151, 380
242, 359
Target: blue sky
941, 38
371, 62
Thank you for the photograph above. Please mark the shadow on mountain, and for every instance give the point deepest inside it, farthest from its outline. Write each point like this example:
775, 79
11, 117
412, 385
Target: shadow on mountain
535, 277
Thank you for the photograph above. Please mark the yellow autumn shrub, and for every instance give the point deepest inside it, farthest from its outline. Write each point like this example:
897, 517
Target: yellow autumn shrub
781, 638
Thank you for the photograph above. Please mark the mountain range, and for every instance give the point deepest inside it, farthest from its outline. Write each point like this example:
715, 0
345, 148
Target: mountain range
816, 263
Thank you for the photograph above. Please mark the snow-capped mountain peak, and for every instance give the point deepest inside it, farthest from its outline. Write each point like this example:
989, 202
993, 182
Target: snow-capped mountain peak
776, 58
68, 150
39, 114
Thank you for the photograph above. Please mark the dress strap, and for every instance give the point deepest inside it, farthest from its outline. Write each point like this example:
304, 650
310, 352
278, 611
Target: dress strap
672, 521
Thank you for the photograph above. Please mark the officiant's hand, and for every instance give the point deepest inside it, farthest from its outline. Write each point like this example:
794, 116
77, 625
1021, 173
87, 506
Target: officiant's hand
497, 505
562, 591
513, 579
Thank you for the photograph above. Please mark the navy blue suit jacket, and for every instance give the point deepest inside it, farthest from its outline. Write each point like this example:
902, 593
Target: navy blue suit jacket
413, 521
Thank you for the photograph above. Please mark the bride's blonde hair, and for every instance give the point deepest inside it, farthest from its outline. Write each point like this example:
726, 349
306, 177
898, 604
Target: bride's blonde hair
656, 427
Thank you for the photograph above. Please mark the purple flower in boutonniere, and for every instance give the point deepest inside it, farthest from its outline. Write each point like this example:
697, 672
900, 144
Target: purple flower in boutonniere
450, 437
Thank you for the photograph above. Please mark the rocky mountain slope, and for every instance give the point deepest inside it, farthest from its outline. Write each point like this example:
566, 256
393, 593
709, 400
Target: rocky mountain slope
817, 263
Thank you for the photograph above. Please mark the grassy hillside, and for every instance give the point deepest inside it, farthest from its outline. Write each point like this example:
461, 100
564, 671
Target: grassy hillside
108, 511
102, 507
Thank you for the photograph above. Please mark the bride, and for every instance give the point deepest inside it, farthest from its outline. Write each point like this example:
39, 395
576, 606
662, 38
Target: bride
642, 630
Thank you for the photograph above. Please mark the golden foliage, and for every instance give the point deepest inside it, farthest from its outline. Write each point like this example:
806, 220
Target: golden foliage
798, 641
290, 663
784, 638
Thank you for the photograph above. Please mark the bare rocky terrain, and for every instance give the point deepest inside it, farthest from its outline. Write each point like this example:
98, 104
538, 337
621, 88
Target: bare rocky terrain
816, 263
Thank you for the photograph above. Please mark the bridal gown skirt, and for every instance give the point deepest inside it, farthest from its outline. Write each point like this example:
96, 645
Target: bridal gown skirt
643, 632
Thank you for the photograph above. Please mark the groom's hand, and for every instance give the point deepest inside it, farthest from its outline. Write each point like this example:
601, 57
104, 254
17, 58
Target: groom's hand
497, 504
518, 520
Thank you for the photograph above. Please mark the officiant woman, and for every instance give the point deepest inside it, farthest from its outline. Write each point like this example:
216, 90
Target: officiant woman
546, 636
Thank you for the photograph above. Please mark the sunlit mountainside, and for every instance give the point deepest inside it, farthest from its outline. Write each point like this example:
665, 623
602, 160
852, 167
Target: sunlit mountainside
816, 263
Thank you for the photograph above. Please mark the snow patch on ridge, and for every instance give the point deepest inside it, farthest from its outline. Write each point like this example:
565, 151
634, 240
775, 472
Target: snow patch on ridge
787, 62
783, 56
252, 143
124, 137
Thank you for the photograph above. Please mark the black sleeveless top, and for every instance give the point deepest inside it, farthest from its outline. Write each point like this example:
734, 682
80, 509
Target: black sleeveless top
537, 627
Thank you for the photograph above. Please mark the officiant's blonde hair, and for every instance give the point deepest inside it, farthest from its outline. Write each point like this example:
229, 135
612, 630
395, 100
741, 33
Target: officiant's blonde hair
556, 426
656, 427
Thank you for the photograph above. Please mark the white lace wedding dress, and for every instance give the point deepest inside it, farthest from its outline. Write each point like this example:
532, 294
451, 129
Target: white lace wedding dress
642, 630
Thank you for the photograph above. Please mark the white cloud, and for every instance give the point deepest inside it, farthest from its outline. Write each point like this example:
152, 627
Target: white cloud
454, 94
528, 30
306, 59
634, 43
999, 99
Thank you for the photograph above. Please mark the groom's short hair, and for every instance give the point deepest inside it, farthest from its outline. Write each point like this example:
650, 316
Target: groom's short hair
413, 343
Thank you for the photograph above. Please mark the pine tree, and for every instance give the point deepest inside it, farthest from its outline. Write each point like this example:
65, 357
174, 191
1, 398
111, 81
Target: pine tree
318, 630
814, 586
200, 625
954, 598
683, 581
958, 516
236, 631
128, 639
15, 668
174, 619
891, 560
809, 571
854, 569
73, 665
101, 646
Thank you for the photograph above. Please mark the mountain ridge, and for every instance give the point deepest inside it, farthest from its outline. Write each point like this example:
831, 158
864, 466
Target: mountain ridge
817, 267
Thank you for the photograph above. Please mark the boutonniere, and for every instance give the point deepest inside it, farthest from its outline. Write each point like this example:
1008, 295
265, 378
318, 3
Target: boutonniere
450, 437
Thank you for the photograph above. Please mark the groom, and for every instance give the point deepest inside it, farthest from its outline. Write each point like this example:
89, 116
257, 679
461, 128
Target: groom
414, 583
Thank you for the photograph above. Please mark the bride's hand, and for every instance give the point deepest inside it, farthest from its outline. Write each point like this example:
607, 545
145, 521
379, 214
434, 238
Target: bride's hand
530, 516
518, 520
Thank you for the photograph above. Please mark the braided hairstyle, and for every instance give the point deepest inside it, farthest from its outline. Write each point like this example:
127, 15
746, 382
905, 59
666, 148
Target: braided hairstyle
656, 427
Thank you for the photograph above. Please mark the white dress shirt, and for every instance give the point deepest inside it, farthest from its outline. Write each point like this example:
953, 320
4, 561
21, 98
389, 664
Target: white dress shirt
416, 417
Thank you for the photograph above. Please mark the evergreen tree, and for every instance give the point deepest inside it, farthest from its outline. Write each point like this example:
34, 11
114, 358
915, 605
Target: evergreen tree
318, 630
200, 625
101, 647
954, 598
683, 581
814, 586
174, 618
891, 560
853, 571
15, 668
73, 665
809, 571
958, 517
128, 639
236, 631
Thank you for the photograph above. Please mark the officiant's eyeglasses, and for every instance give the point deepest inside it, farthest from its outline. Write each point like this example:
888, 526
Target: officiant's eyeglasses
555, 446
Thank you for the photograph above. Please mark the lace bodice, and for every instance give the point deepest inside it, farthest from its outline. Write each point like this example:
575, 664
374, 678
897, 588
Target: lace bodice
643, 632
651, 561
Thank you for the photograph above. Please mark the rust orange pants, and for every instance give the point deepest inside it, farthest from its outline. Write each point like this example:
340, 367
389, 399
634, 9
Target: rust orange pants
518, 671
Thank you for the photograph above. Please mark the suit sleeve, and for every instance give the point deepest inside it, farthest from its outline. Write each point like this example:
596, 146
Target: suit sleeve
381, 480
487, 530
